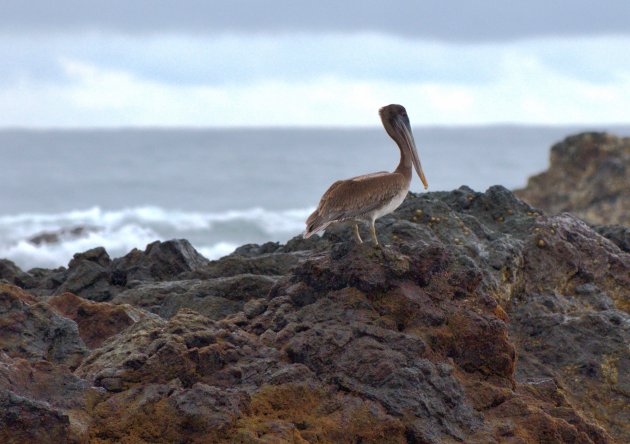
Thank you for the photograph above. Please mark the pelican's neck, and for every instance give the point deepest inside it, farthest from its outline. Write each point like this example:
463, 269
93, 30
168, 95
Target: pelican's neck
405, 165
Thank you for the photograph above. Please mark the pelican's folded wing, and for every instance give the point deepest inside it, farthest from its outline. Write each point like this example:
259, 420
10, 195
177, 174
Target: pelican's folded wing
359, 196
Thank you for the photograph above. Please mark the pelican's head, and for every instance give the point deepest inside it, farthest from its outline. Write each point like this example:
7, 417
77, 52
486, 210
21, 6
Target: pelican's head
396, 123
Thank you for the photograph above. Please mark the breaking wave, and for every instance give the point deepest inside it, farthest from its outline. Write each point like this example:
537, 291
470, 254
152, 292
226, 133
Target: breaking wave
50, 240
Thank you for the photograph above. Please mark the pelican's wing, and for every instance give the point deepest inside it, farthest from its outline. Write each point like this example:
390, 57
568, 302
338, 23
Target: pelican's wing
352, 198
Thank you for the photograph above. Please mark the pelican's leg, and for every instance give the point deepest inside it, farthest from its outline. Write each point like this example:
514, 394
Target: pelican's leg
373, 231
356, 233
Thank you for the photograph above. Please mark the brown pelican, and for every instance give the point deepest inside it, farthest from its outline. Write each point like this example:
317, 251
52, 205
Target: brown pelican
368, 197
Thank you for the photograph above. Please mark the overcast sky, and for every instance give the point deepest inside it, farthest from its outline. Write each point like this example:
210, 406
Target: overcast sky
202, 63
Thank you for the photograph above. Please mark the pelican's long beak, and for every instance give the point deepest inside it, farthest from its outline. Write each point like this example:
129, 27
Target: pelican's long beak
405, 130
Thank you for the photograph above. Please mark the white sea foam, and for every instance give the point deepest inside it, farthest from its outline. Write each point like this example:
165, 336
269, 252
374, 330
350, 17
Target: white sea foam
122, 230
30, 224
117, 242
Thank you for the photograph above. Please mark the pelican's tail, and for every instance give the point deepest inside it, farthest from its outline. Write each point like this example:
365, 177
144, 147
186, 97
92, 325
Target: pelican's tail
314, 224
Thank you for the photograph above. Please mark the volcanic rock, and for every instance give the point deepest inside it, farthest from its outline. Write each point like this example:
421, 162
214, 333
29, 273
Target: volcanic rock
88, 275
96, 322
479, 320
11, 273
215, 298
93, 275
618, 234
589, 176
23, 420
160, 261
267, 264
42, 402
32, 330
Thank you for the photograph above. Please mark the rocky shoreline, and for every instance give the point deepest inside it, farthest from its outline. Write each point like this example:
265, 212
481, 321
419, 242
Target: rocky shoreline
481, 320
589, 176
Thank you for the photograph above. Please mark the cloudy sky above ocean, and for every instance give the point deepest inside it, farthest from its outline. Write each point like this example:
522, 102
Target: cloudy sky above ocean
283, 63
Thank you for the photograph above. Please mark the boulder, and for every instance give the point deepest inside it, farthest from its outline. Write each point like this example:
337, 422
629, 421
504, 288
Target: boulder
39, 395
32, 330
93, 275
89, 275
589, 176
23, 420
96, 321
160, 261
11, 273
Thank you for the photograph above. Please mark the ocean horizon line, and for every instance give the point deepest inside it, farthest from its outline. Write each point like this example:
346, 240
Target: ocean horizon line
271, 128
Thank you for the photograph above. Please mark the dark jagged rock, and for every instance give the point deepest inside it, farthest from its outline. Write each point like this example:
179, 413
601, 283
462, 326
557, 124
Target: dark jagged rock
45, 281
188, 347
215, 298
93, 275
43, 380
618, 234
89, 275
589, 176
24, 420
160, 261
11, 273
480, 320
40, 396
364, 339
585, 350
32, 330
253, 250
268, 264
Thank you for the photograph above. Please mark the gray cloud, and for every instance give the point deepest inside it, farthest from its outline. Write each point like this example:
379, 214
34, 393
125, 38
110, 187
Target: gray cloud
480, 20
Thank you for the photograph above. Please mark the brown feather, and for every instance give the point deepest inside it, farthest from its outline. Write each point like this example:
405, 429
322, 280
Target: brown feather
355, 198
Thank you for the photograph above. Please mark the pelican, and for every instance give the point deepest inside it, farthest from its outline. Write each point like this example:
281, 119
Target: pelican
368, 197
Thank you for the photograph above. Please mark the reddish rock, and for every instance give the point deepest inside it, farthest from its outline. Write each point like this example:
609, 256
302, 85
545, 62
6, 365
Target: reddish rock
13, 296
46, 396
97, 321
167, 413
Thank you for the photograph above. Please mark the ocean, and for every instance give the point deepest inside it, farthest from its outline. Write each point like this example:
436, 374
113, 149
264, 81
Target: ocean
66, 191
